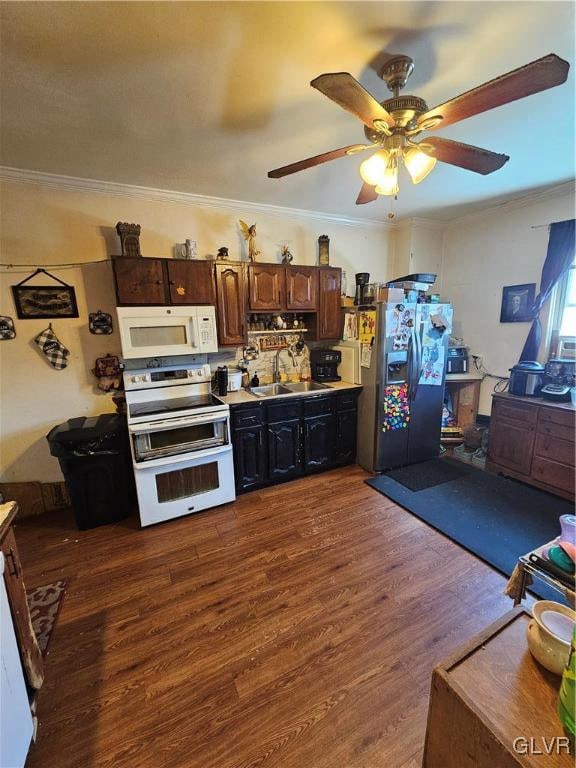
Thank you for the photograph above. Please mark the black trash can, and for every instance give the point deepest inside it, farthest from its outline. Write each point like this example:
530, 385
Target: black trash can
94, 456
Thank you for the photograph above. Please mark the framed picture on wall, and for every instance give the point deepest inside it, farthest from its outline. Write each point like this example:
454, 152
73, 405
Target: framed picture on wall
517, 303
44, 301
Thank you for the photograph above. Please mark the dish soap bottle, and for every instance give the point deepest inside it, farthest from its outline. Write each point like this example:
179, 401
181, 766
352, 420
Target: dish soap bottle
255, 381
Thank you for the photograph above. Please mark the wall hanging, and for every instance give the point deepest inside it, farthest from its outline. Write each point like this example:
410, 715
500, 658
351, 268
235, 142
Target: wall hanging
108, 371
7, 330
44, 301
517, 303
129, 235
100, 323
52, 348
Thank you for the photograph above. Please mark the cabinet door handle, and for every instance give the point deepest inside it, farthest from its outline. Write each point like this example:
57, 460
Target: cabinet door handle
158, 282
260, 438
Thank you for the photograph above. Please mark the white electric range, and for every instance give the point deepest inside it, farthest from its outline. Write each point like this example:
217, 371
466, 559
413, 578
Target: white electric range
180, 441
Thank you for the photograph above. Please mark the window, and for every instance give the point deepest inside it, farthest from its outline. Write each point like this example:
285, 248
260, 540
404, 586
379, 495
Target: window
565, 319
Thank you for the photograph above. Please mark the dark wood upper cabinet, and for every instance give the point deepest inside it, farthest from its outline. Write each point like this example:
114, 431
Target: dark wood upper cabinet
139, 281
329, 312
190, 282
266, 287
302, 288
232, 304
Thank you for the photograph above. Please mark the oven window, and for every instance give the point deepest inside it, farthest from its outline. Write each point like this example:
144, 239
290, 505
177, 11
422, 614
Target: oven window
158, 335
181, 436
183, 483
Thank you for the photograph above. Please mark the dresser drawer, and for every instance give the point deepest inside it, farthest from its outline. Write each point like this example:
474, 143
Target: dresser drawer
518, 413
553, 473
557, 416
556, 430
551, 447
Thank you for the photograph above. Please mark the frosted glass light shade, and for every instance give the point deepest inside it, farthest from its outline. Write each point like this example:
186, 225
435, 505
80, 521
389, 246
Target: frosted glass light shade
418, 164
372, 170
389, 184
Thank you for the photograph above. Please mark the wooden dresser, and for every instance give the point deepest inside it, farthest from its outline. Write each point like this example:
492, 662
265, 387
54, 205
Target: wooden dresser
533, 440
493, 706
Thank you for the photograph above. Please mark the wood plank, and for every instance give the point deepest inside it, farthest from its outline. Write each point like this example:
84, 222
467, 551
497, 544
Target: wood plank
297, 626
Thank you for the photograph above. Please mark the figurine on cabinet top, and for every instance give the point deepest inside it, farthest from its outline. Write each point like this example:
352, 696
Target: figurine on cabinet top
222, 253
249, 233
286, 255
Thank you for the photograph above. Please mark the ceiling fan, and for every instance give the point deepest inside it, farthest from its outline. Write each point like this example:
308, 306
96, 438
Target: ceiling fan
392, 125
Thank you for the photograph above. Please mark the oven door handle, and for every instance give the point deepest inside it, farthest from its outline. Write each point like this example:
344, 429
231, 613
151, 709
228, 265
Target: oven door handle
162, 426
193, 457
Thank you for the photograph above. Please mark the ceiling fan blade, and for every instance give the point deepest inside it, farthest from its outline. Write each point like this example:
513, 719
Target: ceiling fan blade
537, 76
347, 92
367, 194
463, 155
310, 162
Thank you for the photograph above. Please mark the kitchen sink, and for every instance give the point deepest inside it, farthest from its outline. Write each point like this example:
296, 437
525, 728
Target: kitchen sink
270, 390
306, 386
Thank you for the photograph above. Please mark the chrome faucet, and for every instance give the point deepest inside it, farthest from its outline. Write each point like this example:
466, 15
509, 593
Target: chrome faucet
276, 366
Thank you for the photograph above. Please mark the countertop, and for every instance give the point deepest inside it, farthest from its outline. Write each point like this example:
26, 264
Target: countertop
243, 397
539, 401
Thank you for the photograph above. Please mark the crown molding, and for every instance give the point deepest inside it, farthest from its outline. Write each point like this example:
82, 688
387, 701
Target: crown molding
115, 189
522, 201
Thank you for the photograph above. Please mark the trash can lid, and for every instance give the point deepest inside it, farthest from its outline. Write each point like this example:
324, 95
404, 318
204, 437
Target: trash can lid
86, 429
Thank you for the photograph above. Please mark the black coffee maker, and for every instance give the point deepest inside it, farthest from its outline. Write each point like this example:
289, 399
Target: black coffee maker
324, 364
362, 280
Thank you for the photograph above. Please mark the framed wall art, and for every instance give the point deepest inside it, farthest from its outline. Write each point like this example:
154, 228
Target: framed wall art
517, 303
34, 302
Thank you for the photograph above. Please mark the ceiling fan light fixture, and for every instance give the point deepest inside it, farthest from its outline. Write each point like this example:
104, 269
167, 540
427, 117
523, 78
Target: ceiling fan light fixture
389, 183
418, 164
374, 168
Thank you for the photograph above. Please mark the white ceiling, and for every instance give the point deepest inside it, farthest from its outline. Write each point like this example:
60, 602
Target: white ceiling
208, 97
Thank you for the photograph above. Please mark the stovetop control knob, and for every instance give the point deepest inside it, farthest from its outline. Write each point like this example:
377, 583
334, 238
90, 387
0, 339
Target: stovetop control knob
135, 379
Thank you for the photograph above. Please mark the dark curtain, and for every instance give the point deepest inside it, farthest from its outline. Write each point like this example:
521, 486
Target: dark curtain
558, 259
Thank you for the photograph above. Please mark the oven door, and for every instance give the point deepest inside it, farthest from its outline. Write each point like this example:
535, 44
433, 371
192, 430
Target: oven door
179, 436
172, 488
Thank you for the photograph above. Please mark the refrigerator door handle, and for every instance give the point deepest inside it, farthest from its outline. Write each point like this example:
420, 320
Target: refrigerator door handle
416, 367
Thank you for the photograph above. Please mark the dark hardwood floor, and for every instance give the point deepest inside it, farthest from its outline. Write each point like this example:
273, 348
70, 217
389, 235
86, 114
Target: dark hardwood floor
297, 627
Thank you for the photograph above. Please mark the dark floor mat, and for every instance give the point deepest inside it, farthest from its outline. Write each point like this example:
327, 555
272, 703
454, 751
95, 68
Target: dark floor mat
495, 518
426, 474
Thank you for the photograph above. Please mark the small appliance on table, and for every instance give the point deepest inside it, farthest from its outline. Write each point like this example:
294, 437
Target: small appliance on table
180, 441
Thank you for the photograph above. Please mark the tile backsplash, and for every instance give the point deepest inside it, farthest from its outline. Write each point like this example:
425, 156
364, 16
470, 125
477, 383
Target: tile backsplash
293, 365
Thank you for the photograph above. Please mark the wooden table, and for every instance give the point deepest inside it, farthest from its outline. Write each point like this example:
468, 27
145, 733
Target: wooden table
13, 578
493, 706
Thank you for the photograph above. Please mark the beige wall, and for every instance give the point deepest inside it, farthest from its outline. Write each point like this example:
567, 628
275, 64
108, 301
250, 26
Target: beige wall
43, 225
485, 252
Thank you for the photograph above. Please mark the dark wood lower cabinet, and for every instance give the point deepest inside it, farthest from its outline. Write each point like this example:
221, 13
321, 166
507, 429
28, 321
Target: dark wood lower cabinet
345, 437
319, 445
284, 450
283, 439
250, 460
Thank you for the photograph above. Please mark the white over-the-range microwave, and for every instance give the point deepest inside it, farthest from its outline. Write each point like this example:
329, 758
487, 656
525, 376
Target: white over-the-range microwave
167, 331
